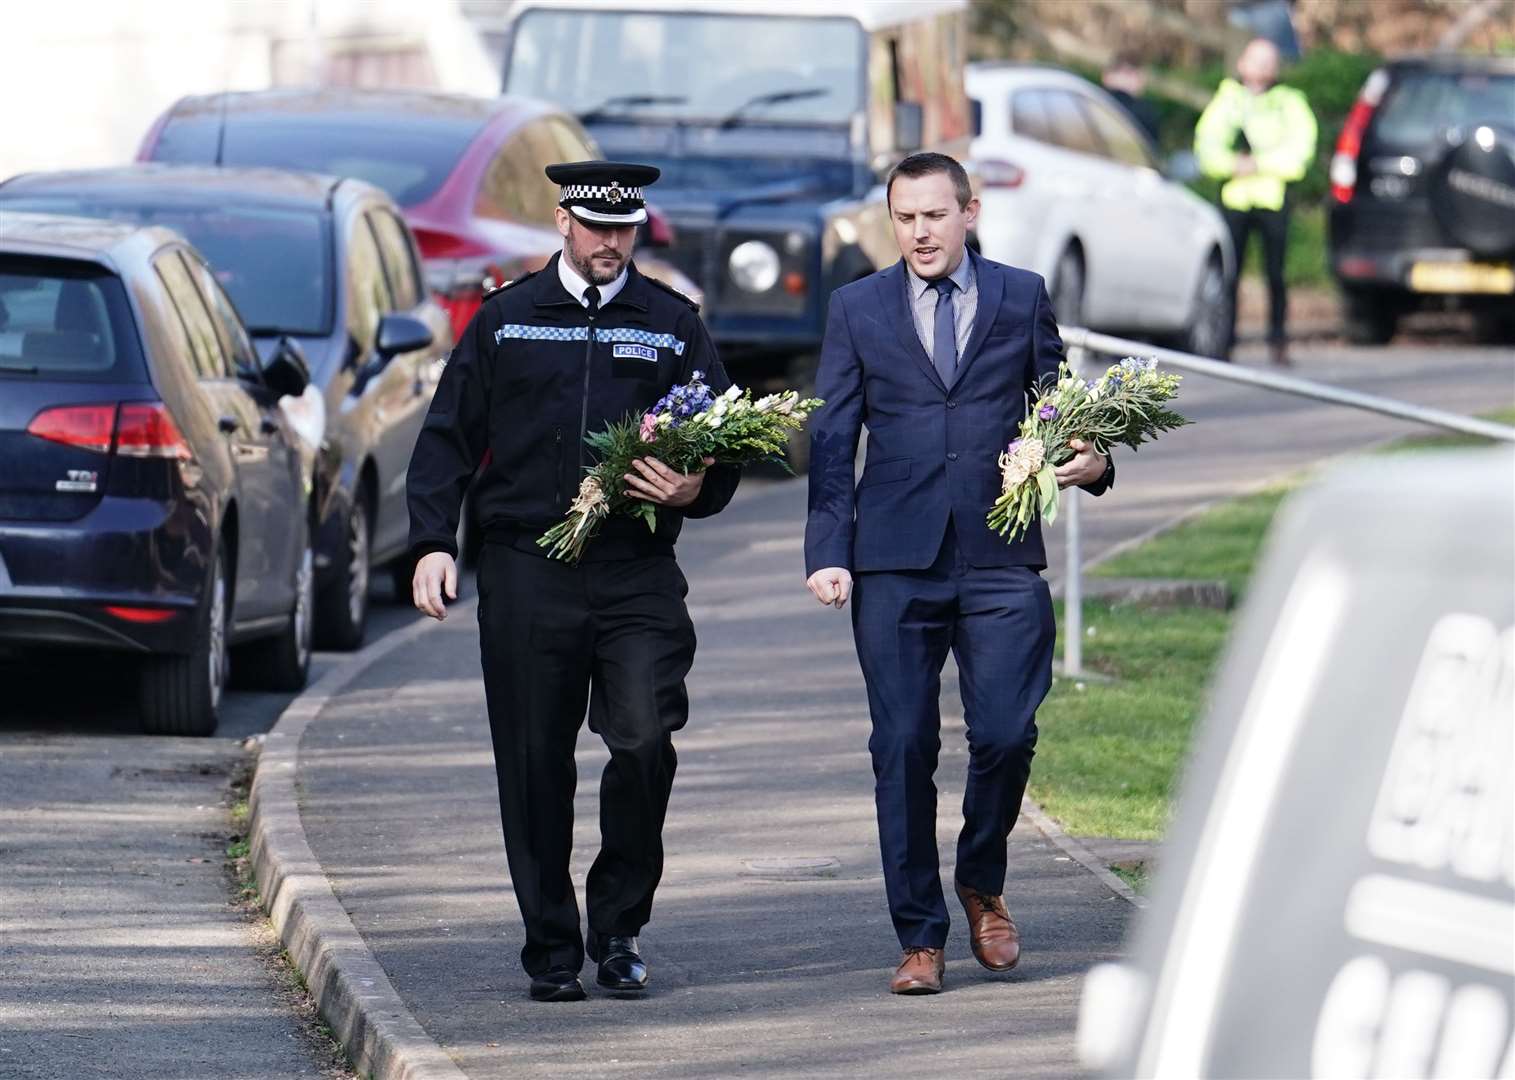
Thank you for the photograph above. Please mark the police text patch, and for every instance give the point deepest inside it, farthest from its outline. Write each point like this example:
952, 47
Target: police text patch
635, 352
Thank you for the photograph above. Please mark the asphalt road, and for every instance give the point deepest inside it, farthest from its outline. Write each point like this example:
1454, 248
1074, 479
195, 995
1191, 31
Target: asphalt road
120, 955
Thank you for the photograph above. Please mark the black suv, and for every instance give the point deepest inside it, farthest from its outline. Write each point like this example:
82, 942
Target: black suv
1423, 195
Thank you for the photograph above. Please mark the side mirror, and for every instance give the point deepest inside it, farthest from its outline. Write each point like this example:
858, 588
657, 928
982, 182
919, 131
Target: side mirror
909, 125
1181, 166
287, 373
401, 334
976, 116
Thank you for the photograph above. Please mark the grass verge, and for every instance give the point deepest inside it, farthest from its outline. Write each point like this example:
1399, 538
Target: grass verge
1110, 754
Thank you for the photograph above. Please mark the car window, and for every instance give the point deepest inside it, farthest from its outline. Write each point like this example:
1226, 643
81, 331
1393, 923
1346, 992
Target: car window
274, 261
399, 260
205, 345
1028, 116
232, 334
516, 188
1068, 127
367, 294
58, 318
1121, 140
1422, 104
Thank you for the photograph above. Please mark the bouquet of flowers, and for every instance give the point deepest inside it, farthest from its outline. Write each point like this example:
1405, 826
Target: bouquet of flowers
688, 424
1126, 405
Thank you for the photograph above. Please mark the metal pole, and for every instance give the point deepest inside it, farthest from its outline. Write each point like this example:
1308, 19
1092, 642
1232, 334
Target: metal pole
1289, 384
1073, 571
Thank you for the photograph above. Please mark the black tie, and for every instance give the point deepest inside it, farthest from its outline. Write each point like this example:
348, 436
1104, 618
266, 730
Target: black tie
592, 300
944, 334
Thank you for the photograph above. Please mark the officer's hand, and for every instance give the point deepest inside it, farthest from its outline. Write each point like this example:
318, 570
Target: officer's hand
831, 585
657, 483
435, 573
1085, 467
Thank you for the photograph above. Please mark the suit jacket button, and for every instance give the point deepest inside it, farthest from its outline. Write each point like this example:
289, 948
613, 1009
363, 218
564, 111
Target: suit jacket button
952, 456
951, 404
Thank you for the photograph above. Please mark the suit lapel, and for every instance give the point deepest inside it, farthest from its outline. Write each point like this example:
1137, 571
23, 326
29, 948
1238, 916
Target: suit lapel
894, 299
991, 290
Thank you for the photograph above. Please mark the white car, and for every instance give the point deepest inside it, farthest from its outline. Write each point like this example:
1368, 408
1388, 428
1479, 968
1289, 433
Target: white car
1071, 188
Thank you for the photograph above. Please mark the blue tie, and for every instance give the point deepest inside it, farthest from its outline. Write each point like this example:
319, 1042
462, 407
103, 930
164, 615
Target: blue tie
944, 334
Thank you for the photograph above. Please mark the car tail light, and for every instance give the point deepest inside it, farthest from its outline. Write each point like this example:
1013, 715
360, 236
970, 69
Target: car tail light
1349, 142
1000, 174
146, 430
141, 615
89, 427
460, 306
659, 229
435, 244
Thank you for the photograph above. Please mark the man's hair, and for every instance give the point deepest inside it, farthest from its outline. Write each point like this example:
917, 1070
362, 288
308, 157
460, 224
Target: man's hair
918, 165
1124, 61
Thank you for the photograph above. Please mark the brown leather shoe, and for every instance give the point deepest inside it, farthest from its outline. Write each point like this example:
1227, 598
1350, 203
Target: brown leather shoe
920, 971
996, 941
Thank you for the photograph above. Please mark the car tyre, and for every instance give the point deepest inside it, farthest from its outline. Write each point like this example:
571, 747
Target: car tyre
283, 662
342, 604
1368, 318
181, 695
1212, 328
1068, 288
801, 378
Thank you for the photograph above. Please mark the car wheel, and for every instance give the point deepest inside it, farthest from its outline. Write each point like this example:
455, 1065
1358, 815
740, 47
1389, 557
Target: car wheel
283, 662
342, 605
1068, 289
802, 378
181, 695
401, 572
1368, 318
1210, 330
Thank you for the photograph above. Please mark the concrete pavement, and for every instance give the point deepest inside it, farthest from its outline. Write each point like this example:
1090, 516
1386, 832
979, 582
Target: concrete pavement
770, 942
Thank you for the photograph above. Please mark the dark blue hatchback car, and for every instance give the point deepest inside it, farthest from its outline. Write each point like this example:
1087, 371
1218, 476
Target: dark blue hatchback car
331, 265
154, 494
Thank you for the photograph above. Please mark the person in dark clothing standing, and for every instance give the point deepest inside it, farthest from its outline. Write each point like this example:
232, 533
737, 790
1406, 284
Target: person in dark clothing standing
547, 360
1125, 80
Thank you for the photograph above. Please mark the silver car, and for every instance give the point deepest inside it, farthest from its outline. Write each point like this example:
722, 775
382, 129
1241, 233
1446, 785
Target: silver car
1071, 188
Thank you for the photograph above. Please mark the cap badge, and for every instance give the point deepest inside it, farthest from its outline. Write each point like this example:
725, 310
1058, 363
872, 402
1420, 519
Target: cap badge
614, 194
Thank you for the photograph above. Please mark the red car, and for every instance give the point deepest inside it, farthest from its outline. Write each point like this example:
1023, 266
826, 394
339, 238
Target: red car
466, 172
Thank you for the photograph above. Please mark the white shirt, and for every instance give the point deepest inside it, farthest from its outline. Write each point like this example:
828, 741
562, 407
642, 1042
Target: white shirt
964, 304
576, 284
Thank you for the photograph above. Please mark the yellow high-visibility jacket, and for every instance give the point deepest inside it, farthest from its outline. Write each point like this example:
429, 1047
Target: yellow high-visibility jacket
1280, 129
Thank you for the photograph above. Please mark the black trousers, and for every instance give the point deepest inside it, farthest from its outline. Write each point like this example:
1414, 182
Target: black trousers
998, 623
1274, 227
614, 637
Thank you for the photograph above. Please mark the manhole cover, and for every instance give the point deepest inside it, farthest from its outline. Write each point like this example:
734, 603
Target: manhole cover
793, 866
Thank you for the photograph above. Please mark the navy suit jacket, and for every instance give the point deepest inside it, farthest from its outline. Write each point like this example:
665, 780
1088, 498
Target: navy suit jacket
933, 450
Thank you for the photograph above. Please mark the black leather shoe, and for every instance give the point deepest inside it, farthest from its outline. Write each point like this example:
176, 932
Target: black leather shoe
622, 969
557, 984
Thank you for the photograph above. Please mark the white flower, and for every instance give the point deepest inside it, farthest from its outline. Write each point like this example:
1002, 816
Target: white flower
732, 392
788, 400
765, 404
715, 421
719, 408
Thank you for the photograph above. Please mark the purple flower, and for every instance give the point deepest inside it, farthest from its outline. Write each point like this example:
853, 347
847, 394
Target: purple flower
1047, 412
1013, 444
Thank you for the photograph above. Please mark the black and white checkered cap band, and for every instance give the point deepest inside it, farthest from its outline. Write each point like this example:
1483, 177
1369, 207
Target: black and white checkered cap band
575, 192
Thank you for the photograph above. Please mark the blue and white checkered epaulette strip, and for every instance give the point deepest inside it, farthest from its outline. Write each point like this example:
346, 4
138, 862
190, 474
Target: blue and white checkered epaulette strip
522, 332
587, 191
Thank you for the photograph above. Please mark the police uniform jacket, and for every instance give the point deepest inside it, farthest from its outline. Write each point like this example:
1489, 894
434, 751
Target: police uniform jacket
532, 375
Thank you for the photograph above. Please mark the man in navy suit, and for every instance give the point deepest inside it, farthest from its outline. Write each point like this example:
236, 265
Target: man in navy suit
935, 355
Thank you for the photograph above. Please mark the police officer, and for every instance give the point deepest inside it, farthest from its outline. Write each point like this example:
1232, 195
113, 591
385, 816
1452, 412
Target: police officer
548, 359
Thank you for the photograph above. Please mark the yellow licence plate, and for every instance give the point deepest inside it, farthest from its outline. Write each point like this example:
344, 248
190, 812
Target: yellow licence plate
1462, 277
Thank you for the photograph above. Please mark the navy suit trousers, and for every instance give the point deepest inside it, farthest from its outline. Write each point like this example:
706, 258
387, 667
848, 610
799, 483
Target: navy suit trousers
998, 623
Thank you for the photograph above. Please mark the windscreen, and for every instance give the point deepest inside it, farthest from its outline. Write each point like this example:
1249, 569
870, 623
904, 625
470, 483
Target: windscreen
274, 262
706, 67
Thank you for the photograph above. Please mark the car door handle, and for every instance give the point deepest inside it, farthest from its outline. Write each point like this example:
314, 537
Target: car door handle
228, 424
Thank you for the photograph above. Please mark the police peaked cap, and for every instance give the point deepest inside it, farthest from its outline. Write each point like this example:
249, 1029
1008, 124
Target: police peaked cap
603, 192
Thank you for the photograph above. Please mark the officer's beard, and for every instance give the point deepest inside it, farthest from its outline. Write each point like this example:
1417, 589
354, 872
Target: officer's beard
596, 274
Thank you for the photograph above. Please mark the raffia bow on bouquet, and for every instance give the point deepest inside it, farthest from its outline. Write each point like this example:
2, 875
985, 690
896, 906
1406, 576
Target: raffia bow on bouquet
688, 424
1125, 406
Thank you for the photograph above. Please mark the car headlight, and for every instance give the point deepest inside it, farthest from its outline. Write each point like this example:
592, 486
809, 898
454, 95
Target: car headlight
754, 266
